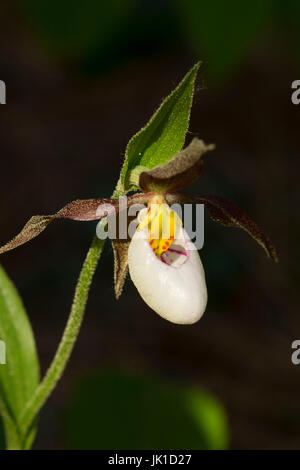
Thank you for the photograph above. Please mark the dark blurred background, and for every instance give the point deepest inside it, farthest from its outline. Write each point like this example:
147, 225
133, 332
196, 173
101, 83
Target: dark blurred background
82, 78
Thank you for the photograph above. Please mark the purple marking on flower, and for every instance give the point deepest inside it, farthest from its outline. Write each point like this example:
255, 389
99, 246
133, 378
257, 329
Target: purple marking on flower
175, 257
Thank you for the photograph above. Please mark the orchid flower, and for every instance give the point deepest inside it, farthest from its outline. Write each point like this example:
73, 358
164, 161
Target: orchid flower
163, 263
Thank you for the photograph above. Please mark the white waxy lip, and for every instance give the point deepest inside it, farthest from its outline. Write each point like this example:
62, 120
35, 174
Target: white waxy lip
173, 286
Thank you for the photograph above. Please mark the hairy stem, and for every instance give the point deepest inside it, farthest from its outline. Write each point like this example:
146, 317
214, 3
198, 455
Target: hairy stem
66, 345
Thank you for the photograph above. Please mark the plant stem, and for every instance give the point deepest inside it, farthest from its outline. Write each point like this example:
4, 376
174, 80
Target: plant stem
70, 334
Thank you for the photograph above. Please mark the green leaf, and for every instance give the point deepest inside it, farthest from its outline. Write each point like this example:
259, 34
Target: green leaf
76, 29
19, 376
224, 32
122, 410
2, 435
164, 135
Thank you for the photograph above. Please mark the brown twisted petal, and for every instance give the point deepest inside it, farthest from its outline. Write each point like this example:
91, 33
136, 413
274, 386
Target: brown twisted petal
120, 248
182, 170
230, 215
80, 210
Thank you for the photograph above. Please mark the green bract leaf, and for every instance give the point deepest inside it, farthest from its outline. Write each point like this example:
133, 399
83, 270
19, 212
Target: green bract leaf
164, 135
182, 170
19, 376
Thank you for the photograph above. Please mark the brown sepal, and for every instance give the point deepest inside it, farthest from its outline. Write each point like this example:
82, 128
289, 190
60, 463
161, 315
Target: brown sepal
182, 170
227, 213
230, 215
80, 210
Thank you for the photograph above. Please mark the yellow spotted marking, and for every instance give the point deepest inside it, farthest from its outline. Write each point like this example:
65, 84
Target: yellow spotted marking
161, 223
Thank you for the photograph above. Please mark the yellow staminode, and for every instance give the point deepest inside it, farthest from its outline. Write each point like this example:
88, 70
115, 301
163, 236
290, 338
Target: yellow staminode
161, 223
